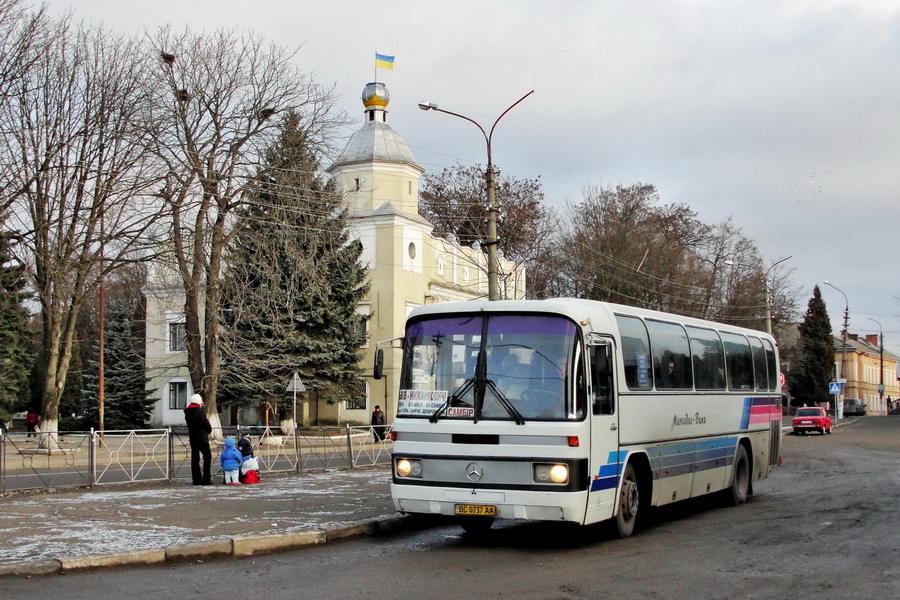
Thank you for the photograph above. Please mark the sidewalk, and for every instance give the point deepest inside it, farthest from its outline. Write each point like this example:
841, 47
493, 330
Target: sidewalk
53, 532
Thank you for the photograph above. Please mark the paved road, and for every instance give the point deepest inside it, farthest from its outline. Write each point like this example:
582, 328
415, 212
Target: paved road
823, 526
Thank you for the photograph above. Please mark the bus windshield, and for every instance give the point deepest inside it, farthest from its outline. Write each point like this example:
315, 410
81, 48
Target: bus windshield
490, 366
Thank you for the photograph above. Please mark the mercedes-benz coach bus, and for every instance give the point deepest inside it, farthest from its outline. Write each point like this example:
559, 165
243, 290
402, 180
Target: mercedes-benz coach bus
576, 410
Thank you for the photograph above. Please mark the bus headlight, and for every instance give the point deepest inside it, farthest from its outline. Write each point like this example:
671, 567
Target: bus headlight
408, 467
546, 473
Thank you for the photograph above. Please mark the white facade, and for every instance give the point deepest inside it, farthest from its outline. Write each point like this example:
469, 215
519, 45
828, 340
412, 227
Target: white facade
166, 357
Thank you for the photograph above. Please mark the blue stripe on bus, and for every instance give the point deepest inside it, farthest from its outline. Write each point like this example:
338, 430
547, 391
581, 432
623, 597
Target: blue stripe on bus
608, 476
745, 417
671, 460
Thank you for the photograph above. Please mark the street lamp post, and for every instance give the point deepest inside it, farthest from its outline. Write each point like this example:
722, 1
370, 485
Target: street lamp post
491, 243
769, 296
881, 366
843, 346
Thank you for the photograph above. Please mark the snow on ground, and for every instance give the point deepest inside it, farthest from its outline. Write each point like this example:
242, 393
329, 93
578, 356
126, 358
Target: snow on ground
144, 516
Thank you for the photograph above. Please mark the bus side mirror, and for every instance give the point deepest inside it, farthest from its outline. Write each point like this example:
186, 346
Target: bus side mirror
378, 367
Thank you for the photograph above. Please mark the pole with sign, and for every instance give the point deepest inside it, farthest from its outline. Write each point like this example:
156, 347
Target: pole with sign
834, 388
296, 386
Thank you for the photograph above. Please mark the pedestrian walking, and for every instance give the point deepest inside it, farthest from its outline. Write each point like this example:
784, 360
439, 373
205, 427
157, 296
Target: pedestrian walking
198, 434
231, 460
378, 424
31, 422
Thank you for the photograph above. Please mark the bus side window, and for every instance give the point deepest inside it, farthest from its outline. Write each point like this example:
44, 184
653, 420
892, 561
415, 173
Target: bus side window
601, 381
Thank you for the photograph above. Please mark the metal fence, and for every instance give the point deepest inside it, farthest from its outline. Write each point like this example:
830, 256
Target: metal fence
88, 458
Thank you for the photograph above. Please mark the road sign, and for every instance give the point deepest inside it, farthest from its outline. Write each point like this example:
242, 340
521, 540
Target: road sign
296, 385
834, 387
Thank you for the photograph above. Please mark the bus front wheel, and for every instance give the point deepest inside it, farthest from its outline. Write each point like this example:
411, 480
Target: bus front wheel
628, 504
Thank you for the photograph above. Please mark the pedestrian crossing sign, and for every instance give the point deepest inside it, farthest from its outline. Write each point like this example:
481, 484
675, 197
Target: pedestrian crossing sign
834, 387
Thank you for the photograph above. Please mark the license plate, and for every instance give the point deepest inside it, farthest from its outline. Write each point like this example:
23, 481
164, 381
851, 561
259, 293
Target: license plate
476, 510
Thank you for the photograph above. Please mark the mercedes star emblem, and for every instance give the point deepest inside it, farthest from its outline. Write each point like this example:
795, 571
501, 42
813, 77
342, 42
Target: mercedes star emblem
474, 472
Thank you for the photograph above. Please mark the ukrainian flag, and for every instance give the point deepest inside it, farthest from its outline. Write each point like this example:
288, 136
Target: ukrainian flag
382, 61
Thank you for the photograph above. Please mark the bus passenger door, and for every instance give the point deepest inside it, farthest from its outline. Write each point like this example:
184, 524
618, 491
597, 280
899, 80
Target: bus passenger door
604, 416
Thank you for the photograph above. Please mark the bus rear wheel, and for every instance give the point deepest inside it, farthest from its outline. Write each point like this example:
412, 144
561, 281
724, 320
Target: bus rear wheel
740, 482
629, 503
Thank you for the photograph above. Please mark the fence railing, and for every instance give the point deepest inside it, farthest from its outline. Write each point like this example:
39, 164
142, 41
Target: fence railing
87, 458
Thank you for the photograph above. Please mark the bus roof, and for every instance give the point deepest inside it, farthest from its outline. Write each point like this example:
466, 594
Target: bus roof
577, 309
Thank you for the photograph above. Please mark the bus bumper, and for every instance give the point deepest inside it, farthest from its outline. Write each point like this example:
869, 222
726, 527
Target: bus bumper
537, 506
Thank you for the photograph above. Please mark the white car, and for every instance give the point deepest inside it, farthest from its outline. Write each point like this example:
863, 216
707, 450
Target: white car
854, 406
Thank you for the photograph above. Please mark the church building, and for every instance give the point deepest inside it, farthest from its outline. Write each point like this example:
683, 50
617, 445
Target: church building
379, 179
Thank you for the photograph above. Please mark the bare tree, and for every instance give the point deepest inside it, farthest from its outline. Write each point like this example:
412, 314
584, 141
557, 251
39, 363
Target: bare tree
454, 200
76, 173
22, 39
624, 246
730, 268
217, 95
548, 273
736, 281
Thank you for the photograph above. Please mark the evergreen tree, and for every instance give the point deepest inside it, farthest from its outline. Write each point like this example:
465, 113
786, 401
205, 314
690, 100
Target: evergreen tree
88, 335
70, 399
78, 402
15, 357
815, 364
87, 416
127, 402
292, 285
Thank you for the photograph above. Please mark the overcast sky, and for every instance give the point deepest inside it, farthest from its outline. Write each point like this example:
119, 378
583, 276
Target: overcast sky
782, 114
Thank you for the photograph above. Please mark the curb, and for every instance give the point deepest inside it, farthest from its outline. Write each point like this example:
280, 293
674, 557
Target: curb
273, 542
114, 559
238, 547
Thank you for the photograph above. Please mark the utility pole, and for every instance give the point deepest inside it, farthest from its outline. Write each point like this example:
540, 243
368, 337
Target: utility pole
491, 243
769, 295
881, 368
837, 411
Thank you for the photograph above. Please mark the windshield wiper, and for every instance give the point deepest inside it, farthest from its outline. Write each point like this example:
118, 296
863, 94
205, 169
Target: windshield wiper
457, 394
504, 401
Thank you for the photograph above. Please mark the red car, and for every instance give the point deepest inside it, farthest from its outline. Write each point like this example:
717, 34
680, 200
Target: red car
811, 419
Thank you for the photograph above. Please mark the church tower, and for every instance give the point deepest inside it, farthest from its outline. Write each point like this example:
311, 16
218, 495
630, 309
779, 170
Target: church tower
376, 166
379, 181
378, 178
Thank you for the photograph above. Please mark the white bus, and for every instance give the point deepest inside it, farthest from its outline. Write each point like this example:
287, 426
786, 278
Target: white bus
576, 410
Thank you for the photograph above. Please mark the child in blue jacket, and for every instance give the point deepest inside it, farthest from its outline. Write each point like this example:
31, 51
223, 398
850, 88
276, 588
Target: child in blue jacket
231, 460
